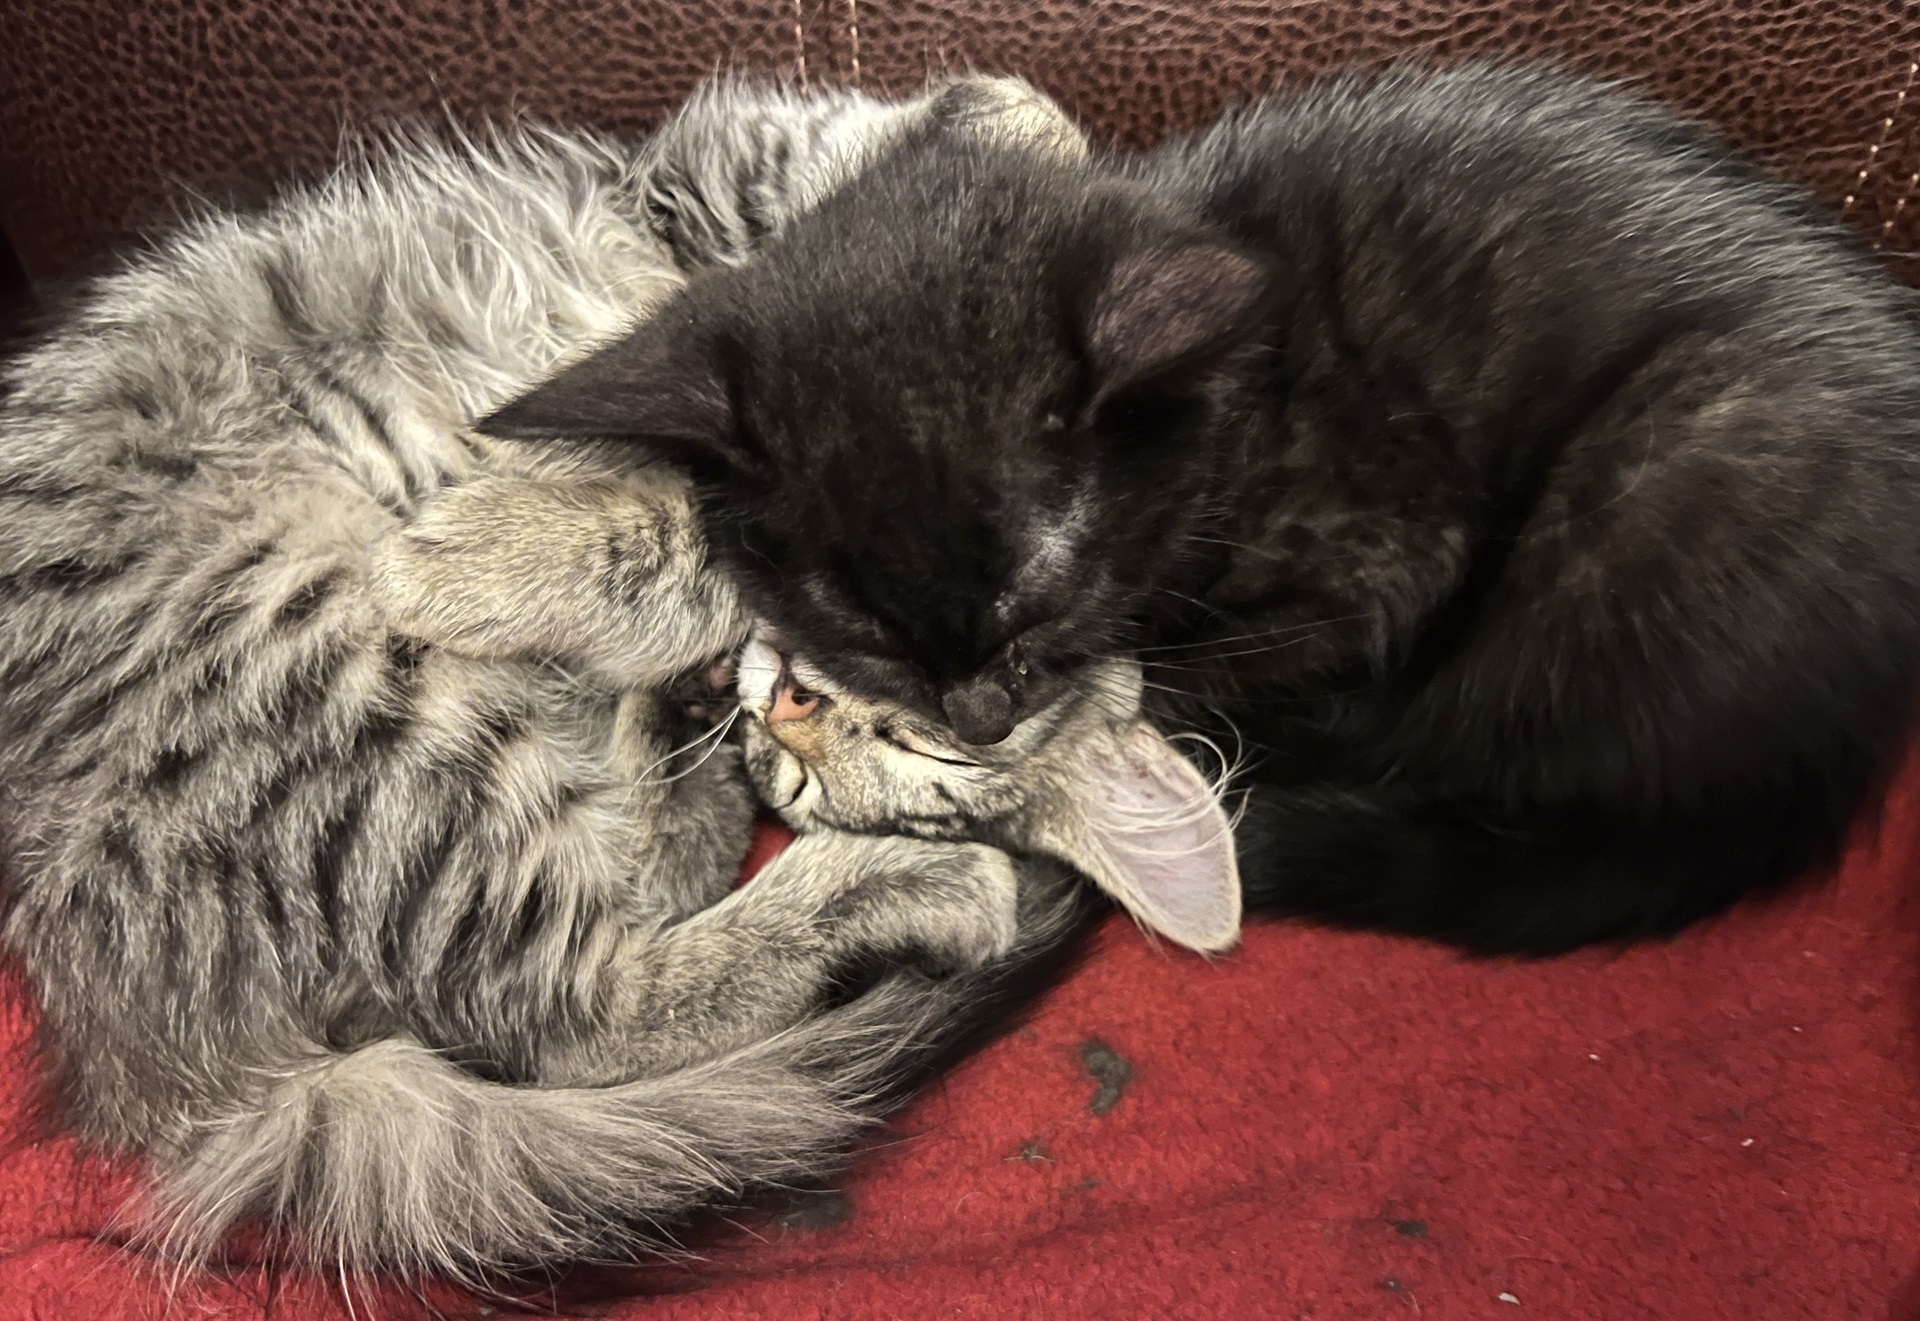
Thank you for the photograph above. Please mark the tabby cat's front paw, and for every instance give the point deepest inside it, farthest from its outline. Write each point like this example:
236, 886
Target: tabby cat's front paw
608, 575
439, 579
953, 906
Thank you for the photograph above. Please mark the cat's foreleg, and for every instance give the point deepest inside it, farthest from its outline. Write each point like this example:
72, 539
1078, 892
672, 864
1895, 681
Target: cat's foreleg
609, 573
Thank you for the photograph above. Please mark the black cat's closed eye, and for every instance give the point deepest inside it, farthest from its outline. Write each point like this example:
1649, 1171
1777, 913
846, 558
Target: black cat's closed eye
1144, 415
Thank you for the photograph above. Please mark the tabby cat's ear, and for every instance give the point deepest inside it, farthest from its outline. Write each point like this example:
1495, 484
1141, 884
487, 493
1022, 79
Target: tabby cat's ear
1143, 824
655, 387
1165, 313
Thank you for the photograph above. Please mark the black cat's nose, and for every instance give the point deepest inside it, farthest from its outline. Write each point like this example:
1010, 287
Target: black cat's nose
980, 709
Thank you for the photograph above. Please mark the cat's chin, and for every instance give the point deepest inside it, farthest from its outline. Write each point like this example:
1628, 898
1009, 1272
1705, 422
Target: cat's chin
779, 778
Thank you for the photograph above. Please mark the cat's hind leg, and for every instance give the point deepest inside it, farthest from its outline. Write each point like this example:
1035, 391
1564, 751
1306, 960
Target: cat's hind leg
763, 958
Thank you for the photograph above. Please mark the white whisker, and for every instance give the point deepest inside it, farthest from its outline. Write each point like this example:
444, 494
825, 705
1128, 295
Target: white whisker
1279, 631
714, 737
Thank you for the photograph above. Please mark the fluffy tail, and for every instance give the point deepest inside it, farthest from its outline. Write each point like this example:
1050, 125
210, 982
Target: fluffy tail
1389, 860
390, 1158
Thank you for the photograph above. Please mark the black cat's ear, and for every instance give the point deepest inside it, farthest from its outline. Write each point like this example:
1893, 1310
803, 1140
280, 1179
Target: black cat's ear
654, 388
1165, 313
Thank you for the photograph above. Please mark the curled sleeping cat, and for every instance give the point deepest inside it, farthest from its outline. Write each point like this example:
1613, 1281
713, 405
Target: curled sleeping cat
370, 874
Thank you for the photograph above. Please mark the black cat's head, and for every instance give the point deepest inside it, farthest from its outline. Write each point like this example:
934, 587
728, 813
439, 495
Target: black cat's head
951, 429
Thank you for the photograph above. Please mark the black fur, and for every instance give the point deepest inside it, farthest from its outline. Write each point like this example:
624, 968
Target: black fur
1533, 486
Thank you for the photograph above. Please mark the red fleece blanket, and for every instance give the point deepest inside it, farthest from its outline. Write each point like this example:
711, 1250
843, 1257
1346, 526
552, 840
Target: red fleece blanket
1318, 1125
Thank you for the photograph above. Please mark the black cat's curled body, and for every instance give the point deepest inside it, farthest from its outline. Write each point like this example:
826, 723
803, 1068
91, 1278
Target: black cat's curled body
1532, 486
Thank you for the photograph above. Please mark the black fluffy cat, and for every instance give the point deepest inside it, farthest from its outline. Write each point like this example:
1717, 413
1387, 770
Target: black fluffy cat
1532, 486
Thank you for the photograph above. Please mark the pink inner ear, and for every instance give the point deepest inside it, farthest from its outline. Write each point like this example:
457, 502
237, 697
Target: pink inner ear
1164, 847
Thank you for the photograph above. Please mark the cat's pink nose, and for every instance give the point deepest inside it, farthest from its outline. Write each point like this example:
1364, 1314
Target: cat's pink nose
790, 700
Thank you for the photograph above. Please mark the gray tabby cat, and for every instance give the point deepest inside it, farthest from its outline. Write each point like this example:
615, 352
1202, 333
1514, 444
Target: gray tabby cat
369, 869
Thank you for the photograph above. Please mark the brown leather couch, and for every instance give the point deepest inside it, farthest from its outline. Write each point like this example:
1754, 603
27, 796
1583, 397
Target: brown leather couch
109, 109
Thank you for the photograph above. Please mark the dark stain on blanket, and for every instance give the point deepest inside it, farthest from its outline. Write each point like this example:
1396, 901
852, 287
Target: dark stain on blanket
1109, 1069
821, 1208
1410, 1228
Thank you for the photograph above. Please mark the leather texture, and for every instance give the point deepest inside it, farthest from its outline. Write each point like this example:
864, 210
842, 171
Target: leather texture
110, 110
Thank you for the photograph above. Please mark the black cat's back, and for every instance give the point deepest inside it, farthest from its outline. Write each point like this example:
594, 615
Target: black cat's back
1616, 439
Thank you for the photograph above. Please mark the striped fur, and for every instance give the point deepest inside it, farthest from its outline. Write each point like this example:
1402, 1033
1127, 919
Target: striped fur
307, 856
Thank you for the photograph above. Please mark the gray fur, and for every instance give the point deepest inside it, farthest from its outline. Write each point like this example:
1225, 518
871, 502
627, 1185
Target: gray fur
344, 774
1086, 781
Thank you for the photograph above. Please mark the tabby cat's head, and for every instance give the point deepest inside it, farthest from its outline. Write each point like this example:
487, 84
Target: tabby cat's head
1086, 781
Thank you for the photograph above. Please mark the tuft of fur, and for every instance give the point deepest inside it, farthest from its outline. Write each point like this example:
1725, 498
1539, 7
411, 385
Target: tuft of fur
365, 884
1532, 484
